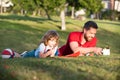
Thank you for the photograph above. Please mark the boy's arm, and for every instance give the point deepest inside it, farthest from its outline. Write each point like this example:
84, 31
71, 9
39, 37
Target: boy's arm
46, 54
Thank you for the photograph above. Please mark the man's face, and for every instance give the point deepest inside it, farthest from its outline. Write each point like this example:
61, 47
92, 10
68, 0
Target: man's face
89, 34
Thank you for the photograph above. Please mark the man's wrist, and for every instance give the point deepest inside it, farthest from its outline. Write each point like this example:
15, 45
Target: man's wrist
94, 49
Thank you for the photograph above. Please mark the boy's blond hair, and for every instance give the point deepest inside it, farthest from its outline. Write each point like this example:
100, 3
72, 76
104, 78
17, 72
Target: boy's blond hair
48, 35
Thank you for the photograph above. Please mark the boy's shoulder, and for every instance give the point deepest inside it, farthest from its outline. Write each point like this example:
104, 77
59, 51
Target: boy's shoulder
42, 45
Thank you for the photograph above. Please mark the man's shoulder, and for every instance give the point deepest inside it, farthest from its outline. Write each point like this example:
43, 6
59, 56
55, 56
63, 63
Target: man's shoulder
94, 39
76, 33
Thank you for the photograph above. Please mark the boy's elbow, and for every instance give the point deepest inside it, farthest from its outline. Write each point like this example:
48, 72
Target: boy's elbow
42, 56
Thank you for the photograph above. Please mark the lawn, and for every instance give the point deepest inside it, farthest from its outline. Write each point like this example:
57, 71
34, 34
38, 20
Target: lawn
24, 33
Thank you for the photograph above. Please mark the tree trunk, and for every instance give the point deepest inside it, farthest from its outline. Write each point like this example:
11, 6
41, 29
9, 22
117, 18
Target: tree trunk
39, 12
1, 8
4, 9
48, 16
118, 5
72, 14
62, 15
112, 8
34, 13
112, 4
96, 15
22, 12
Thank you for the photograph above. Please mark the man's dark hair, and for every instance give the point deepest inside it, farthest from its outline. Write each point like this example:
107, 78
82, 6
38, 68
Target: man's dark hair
90, 24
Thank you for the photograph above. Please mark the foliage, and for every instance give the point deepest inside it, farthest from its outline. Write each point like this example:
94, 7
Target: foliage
92, 5
25, 5
74, 3
110, 15
54, 6
49, 6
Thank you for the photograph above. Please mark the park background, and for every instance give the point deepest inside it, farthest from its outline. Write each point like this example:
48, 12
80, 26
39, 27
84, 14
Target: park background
23, 23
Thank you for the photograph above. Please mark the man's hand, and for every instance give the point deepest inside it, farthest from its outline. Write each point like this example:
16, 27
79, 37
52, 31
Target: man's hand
98, 50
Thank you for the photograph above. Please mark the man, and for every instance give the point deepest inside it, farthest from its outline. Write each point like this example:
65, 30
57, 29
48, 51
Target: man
81, 43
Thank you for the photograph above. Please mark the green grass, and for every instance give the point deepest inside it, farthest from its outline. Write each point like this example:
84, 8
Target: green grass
24, 33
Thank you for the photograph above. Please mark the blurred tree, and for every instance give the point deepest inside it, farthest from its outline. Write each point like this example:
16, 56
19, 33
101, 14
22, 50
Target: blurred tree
75, 5
92, 6
50, 6
23, 6
62, 16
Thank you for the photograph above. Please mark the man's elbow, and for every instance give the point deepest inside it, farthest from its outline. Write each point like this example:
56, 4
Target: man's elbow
75, 49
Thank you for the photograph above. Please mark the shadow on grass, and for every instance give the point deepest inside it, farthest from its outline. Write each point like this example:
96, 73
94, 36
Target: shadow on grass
26, 18
59, 70
101, 64
35, 19
19, 37
110, 22
6, 75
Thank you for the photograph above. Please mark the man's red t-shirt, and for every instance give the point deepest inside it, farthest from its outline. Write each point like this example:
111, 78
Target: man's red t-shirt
75, 36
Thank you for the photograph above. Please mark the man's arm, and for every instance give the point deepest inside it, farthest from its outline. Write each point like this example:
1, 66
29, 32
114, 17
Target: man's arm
75, 48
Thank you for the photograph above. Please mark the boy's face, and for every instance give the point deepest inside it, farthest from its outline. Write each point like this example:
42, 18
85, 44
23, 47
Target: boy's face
89, 34
52, 42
